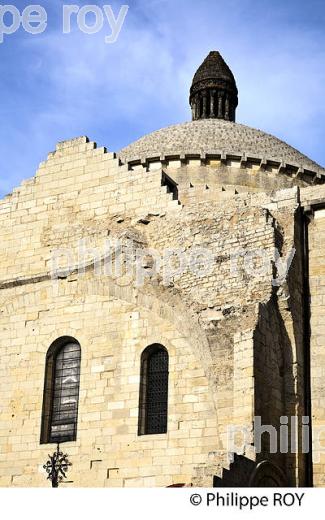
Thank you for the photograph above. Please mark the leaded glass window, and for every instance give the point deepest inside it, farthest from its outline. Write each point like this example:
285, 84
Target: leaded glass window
61, 392
153, 391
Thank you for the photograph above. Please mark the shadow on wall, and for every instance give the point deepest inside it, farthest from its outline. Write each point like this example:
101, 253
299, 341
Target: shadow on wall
275, 387
244, 472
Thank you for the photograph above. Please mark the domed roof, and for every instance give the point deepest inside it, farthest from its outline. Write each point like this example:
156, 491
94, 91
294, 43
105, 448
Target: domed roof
215, 137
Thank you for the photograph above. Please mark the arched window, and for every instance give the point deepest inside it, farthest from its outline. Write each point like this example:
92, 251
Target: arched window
61, 391
153, 406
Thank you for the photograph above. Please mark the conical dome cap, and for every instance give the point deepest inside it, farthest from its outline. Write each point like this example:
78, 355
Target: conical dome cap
214, 67
214, 92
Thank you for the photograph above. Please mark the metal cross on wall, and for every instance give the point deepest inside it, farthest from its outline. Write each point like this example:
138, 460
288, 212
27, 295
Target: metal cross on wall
57, 466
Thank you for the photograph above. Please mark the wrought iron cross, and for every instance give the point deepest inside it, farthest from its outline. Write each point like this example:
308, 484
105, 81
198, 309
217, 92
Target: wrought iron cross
57, 466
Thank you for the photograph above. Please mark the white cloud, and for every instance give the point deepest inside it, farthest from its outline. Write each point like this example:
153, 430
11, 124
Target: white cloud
117, 92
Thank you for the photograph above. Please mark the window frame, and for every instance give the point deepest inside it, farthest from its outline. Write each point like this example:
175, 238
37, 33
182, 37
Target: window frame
143, 390
49, 388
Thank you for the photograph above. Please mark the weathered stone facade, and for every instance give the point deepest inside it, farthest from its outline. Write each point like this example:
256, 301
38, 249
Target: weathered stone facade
239, 345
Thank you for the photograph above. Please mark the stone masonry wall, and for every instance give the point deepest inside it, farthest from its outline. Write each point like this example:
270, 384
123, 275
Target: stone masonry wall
316, 232
207, 322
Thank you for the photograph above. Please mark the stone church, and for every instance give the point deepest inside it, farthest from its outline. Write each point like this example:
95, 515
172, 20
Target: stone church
161, 304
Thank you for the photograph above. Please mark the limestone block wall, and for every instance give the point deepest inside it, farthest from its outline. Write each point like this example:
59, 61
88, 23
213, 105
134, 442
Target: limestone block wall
316, 233
112, 333
267, 372
212, 324
219, 368
78, 185
219, 180
279, 354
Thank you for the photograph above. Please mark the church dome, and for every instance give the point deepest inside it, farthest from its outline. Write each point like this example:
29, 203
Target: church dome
216, 138
213, 133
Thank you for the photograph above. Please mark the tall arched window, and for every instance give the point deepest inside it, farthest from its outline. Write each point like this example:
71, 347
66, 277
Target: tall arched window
153, 406
61, 391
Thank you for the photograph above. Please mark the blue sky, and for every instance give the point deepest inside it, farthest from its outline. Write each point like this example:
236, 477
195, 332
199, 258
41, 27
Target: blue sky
56, 86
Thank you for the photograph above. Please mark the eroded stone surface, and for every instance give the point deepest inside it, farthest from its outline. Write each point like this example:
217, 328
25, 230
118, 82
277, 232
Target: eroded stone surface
236, 342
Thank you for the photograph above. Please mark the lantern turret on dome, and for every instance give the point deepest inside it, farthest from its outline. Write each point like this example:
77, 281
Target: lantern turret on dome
214, 92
